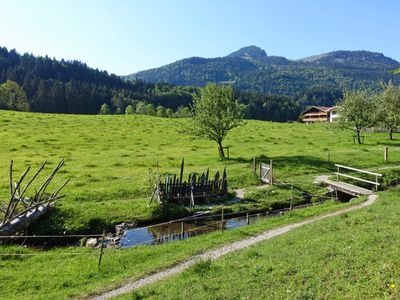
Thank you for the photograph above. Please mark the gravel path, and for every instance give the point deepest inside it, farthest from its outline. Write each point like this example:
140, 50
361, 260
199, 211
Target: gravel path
214, 254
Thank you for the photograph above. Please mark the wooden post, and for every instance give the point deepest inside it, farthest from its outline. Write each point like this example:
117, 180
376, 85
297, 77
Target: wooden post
182, 230
337, 175
271, 172
181, 171
291, 200
222, 218
101, 248
254, 167
247, 219
386, 154
191, 199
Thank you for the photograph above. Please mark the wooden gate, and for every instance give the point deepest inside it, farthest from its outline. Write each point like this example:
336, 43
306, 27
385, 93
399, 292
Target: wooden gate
266, 172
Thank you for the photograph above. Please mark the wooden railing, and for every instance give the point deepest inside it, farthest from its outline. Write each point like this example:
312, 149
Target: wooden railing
375, 183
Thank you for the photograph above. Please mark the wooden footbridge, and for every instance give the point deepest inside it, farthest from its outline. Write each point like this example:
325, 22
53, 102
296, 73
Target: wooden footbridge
351, 189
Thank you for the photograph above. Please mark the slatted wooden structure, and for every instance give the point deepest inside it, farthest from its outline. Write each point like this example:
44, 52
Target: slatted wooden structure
352, 189
197, 187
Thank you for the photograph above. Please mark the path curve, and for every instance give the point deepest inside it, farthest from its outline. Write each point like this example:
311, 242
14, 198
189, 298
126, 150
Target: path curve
216, 253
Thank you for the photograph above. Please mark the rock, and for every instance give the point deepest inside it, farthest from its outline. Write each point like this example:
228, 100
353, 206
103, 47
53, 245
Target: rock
120, 228
91, 243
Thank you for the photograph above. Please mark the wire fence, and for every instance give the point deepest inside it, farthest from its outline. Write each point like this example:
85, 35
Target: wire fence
249, 214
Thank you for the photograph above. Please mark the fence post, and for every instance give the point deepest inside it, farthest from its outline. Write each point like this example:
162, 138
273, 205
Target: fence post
101, 248
291, 200
271, 172
222, 218
247, 219
337, 174
182, 230
254, 167
386, 154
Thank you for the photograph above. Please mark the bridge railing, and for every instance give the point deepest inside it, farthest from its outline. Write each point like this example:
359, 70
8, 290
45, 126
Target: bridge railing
376, 175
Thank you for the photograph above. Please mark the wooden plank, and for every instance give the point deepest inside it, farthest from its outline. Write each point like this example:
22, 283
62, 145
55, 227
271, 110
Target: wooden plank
359, 170
359, 179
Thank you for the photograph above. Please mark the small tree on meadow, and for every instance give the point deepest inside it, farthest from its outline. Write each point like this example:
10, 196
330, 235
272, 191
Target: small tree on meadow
169, 112
161, 111
150, 110
215, 113
13, 97
129, 110
141, 108
357, 111
388, 112
183, 112
105, 109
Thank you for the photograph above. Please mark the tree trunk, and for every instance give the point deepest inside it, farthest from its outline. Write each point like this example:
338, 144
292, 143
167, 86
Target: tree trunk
221, 150
358, 136
391, 134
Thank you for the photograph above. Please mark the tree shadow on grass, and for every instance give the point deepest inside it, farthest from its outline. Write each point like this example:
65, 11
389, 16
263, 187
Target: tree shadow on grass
312, 164
393, 143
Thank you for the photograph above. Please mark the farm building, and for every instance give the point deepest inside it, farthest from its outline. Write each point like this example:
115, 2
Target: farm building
319, 114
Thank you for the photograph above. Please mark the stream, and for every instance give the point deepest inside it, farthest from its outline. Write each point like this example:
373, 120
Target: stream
169, 232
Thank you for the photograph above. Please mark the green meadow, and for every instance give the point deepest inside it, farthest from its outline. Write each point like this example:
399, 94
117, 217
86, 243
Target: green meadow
352, 256
65, 272
108, 160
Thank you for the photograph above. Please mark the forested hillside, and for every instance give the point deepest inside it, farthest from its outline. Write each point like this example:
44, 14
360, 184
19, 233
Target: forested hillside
251, 69
73, 87
42, 84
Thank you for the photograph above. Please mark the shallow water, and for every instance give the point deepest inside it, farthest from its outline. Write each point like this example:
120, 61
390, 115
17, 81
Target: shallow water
169, 232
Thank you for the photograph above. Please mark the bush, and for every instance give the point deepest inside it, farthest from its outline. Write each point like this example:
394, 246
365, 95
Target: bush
105, 109
129, 110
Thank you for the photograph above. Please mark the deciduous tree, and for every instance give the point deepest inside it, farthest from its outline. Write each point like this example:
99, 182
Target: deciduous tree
105, 109
215, 113
357, 111
13, 97
388, 112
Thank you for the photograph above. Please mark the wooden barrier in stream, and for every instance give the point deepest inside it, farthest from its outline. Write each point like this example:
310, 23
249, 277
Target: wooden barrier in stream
196, 189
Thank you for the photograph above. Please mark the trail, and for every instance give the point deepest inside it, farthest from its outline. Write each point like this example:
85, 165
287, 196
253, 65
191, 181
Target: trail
216, 253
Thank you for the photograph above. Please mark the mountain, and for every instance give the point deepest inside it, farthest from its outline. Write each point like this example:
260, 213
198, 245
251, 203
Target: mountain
251, 69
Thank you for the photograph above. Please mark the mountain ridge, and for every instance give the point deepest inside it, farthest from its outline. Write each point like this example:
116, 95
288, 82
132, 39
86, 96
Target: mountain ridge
251, 69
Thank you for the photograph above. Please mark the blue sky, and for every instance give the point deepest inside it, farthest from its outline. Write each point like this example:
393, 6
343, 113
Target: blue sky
123, 36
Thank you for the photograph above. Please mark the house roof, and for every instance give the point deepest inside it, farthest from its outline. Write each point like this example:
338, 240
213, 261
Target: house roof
321, 108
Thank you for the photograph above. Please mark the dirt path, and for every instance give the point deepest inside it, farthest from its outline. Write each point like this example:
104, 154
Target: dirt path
216, 253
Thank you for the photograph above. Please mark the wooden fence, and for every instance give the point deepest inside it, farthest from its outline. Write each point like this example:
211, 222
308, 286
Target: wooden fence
196, 188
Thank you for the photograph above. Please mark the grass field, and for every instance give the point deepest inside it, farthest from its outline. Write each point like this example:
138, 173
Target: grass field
107, 159
67, 272
353, 256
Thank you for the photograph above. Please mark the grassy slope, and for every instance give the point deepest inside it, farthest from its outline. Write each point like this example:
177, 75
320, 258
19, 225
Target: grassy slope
354, 256
107, 158
60, 274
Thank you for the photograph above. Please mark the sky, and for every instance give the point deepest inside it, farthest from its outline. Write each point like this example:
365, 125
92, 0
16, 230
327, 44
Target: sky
126, 36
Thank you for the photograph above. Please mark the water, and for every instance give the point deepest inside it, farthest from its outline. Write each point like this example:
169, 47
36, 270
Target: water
173, 231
